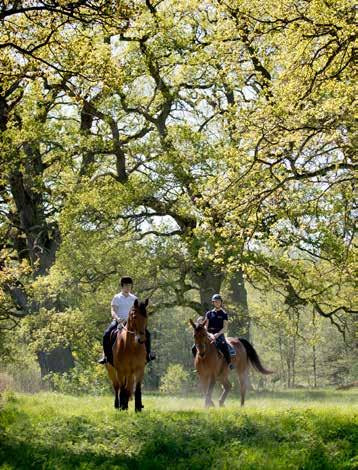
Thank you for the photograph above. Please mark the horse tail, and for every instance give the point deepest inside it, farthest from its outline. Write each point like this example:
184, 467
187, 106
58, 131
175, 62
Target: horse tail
254, 357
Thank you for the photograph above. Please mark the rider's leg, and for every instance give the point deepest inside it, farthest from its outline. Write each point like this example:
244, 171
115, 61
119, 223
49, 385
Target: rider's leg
148, 346
107, 347
224, 348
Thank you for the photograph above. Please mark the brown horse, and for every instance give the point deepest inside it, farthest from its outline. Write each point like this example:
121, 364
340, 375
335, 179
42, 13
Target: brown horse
129, 359
211, 365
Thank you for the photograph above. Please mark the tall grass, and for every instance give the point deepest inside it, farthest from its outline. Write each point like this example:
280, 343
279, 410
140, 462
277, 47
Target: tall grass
285, 430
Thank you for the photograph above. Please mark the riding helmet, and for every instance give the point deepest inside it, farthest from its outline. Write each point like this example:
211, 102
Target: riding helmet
216, 297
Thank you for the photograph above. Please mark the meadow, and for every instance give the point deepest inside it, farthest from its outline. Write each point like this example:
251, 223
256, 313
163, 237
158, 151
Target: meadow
278, 430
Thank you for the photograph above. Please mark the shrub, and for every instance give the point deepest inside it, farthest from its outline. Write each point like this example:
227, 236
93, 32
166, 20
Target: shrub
175, 380
6, 382
80, 380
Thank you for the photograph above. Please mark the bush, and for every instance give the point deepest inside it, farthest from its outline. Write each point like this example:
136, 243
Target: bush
6, 382
175, 380
21, 376
80, 380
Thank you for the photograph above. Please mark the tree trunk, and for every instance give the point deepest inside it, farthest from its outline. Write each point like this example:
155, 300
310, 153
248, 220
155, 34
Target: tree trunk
33, 236
42, 240
282, 357
291, 362
240, 320
209, 282
314, 352
314, 366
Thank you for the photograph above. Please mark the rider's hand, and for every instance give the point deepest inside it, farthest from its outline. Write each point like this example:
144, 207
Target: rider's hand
212, 337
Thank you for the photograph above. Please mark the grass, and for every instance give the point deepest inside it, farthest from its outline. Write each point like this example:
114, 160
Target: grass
281, 430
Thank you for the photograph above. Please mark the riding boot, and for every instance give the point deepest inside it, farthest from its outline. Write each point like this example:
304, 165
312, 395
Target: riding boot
150, 355
107, 346
224, 348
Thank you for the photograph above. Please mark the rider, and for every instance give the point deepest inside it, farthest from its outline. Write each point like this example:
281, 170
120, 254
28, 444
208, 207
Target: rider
120, 307
217, 324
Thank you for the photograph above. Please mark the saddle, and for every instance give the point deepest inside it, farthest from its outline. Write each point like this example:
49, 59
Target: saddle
114, 333
232, 350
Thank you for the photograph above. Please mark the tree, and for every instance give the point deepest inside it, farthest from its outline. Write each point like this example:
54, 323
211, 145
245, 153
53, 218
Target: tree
223, 130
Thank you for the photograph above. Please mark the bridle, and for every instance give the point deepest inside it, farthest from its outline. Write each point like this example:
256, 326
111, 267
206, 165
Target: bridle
138, 334
202, 346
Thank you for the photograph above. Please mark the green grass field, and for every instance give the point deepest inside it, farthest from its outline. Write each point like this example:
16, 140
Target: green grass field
281, 430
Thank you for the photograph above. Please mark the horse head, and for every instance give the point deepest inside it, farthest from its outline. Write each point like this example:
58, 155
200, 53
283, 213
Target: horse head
200, 335
137, 320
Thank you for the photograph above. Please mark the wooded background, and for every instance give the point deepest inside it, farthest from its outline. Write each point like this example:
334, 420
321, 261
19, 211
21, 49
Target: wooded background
197, 146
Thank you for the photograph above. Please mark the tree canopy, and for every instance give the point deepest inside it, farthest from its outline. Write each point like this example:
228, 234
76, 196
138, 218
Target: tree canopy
196, 144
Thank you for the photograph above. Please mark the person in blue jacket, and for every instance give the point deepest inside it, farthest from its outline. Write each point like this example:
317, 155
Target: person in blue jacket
217, 326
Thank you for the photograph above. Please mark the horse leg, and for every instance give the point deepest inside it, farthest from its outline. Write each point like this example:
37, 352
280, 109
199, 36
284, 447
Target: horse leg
138, 398
244, 382
116, 398
226, 389
113, 376
208, 400
123, 398
116, 393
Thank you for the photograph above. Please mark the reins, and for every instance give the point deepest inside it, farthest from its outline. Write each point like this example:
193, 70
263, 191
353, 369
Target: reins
136, 333
128, 331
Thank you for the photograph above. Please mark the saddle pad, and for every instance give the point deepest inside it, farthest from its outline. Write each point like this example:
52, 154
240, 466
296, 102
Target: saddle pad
232, 350
113, 336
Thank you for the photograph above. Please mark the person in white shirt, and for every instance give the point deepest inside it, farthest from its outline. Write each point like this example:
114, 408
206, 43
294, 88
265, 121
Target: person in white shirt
120, 307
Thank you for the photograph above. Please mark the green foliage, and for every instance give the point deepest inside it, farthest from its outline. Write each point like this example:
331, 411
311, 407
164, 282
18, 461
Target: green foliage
80, 381
175, 380
290, 430
171, 141
300, 346
71, 328
21, 372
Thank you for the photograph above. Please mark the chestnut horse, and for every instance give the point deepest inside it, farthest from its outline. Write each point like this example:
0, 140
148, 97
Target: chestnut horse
211, 365
129, 359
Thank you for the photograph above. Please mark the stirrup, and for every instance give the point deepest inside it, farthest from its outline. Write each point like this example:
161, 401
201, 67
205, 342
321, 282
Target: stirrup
151, 356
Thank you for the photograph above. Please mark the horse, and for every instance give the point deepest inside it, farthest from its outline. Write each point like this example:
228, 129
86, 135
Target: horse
211, 365
129, 359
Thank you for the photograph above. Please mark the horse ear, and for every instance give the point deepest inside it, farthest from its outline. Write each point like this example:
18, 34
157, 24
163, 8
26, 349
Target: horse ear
205, 322
136, 303
192, 323
146, 302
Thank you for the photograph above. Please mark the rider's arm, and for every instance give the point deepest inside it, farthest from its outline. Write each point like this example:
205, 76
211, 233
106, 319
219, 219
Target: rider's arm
114, 312
222, 331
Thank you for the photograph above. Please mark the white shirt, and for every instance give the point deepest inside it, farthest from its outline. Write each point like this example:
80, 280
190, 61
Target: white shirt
122, 304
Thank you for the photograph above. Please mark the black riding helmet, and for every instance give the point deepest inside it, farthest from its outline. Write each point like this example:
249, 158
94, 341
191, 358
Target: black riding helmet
216, 297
